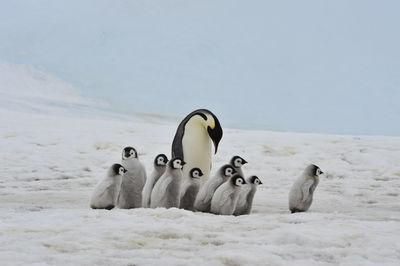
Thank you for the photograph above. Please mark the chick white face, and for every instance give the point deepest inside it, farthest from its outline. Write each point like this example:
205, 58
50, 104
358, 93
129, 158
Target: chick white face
229, 171
116, 169
121, 171
161, 160
239, 181
177, 164
196, 173
318, 172
255, 180
238, 161
129, 152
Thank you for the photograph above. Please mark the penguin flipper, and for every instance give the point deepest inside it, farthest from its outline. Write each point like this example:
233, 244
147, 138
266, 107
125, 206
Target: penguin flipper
225, 198
164, 185
177, 149
305, 189
210, 188
106, 192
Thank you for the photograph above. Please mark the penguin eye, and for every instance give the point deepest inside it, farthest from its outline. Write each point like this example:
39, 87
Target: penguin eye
177, 163
257, 181
240, 181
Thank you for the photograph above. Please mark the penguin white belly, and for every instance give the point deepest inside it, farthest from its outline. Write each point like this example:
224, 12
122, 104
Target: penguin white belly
196, 150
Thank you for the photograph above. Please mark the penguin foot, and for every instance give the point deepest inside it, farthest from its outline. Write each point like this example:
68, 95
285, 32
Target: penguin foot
296, 210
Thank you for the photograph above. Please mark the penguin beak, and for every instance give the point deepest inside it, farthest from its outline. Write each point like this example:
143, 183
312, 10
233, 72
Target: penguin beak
183, 163
244, 161
125, 170
215, 146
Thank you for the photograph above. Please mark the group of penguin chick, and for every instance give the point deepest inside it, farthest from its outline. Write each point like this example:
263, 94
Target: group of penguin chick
127, 186
227, 192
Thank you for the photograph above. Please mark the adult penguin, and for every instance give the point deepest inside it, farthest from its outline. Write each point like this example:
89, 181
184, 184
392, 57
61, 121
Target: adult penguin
192, 141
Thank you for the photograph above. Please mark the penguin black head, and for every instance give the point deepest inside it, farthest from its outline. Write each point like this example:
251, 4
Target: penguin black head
176, 163
128, 153
196, 173
313, 170
117, 169
255, 180
238, 161
161, 160
228, 170
214, 130
237, 180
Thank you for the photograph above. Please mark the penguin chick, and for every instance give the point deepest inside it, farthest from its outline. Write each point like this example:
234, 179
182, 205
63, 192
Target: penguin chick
203, 198
160, 164
246, 196
166, 192
130, 195
237, 162
190, 188
301, 193
225, 198
106, 192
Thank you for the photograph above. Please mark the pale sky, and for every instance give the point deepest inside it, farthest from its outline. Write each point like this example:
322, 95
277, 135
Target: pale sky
309, 66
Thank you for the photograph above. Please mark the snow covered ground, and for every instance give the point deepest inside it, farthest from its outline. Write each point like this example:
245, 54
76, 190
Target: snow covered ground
51, 161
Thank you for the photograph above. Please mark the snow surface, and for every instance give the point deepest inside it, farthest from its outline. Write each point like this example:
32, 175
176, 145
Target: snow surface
25, 88
51, 162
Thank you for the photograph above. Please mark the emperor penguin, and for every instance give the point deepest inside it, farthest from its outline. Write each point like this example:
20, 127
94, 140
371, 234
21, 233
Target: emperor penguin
301, 193
225, 198
237, 162
203, 199
166, 192
160, 164
246, 196
190, 188
106, 192
192, 141
130, 195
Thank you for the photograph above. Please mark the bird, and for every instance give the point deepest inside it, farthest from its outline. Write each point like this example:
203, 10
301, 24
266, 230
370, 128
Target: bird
246, 196
192, 141
190, 188
203, 198
301, 193
130, 195
106, 191
225, 198
166, 192
160, 164
237, 162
